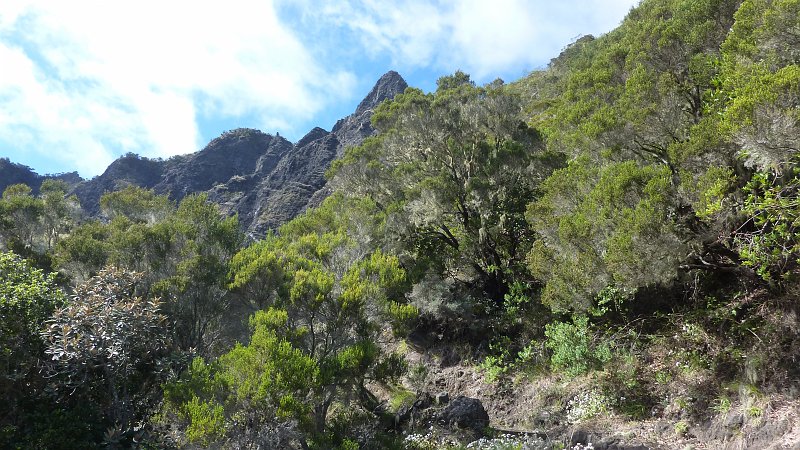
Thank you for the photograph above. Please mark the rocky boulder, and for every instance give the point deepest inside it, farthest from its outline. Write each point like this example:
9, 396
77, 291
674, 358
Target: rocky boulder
465, 412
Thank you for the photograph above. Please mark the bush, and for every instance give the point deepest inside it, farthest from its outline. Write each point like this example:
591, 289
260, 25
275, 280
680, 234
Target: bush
573, 347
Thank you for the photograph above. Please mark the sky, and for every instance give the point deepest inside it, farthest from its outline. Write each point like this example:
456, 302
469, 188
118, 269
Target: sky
84, 82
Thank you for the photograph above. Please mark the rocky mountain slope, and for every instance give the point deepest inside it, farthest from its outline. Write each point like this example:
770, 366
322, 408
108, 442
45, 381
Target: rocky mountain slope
264, 179
13, 173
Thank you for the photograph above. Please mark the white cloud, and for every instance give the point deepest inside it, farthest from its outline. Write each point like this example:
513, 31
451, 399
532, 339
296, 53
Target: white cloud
83, 81
86, 80
481, 37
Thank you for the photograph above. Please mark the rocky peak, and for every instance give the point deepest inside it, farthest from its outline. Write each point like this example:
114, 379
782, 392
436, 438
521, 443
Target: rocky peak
264, 179
353, 129
311, 136
389, 85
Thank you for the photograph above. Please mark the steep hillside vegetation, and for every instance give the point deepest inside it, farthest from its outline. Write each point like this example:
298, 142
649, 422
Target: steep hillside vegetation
605, 251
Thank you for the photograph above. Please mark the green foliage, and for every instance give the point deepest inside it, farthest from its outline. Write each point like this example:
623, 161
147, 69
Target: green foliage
313, 343
761, 81
193, 248
711, 190
34, 224
771, 244
574, 348
263, 382
452, 170
27, 298
21, 212
681, 428
182, 252
401, 397
84, 251
206, 422
109, 347
499, 361
136, 204
601, 226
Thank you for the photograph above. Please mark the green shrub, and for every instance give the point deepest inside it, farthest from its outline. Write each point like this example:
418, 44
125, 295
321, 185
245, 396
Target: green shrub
206, 422
681, 428
573, 347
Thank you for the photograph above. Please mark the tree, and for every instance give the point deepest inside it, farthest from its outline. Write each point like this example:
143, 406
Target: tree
196, 245
454, 169
315, 340
59, 212
182, 253
109, 347
34, 224
760, 84
645, 196
21, 212
85, 251
136, 204
602, 226
27, 298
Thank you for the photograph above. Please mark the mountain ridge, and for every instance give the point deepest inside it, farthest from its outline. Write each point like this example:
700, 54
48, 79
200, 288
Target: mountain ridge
265, 179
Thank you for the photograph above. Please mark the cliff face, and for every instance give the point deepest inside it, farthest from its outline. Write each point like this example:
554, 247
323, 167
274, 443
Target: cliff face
264, 179
298, 179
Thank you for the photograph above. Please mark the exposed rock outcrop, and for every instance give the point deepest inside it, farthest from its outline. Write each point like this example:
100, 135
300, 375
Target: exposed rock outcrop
264, 179
465, 412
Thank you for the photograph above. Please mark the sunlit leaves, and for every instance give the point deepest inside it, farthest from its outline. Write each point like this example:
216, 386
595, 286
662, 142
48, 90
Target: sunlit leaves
601, 226
27, 298
452, 170
108, 343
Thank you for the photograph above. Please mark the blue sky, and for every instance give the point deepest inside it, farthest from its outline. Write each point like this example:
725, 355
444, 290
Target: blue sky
83, 82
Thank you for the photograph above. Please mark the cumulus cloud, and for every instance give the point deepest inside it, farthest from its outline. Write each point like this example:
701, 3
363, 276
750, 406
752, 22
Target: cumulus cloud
480, 37
84, 81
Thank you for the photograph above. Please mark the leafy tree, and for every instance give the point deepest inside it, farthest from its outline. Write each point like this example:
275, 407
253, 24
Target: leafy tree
603, 226
109, 347
84, 251
34, 224
136, 204
257, 385
182, 253
27, 298
196, 244
22, 213
314, 343
60, 211
760, 84
454, 170
645, 195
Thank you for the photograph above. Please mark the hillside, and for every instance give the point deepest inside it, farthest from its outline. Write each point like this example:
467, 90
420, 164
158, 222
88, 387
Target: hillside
603, 254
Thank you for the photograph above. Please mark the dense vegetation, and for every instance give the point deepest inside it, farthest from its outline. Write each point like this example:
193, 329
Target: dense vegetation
629, 214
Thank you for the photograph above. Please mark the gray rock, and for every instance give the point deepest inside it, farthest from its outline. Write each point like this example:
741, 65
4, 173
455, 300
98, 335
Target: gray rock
584, 437
264, 179
465, 412
409, 412
770, 432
